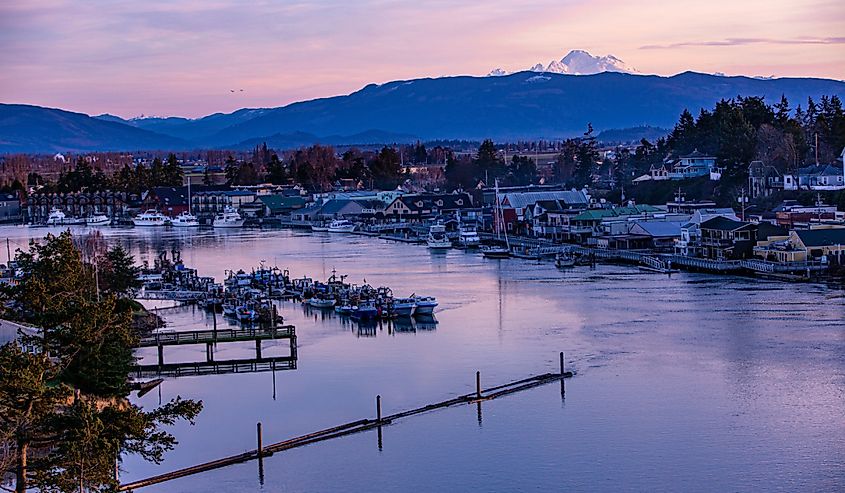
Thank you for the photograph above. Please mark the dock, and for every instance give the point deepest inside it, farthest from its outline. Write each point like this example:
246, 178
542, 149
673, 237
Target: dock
480, 395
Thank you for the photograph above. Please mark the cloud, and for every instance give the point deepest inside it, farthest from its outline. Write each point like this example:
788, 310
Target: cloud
748, 41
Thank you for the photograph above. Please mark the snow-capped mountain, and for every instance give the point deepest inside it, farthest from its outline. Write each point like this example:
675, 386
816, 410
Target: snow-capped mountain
578, 62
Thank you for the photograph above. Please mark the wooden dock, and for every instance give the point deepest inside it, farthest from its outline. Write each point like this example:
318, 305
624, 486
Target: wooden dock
198, 368
219, 335
358, 426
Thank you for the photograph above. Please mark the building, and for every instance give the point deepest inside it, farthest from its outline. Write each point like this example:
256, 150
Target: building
592, 222
10, 208
427, 205
689, 243
514, 205
763, 179
276, 205
79, 204
212, 200
726, 239
802, 245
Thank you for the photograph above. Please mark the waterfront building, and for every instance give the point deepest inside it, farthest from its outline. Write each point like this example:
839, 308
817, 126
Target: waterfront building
689, 242
10, 208
514, 204
427, 205
803, 245
726, 239
79, 204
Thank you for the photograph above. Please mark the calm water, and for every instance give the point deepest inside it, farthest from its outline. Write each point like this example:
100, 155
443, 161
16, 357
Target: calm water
688, 383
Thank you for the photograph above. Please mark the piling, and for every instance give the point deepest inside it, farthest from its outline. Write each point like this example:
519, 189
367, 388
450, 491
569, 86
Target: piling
562, 373
260, 447
160, 354
378, 408
258, 349
478, 385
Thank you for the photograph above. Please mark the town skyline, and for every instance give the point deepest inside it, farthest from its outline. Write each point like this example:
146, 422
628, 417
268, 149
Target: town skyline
194, 59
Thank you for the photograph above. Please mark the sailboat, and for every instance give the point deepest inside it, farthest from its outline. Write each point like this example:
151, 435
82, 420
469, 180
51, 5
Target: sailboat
186, 219
497, 250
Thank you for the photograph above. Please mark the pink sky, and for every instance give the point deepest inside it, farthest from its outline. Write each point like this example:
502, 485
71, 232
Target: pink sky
158, 57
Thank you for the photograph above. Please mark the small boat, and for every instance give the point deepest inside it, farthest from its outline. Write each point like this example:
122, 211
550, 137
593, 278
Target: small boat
404, 307
98, 220
341, 226
321, 302
437, 239
58, 218
150, 218
343, 309
229, 310
495, 251
563, 260
185, 220
229, 218
424, 304
246, 314
364, 311
469, 237
319, 227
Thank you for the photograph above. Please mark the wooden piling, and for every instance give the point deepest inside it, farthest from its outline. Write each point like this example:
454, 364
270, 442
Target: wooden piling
478, 385
160, 354
562, 373
378, 408
260, 447
258, 349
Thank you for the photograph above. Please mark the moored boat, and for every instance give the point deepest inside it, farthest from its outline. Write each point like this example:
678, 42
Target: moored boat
425, 305
563, 260
58, 218
437, 239
185, 220
319, 227
150, 218
404, 307
495, 251
341, 226
318, 302
229, 218
469, 237
98, 220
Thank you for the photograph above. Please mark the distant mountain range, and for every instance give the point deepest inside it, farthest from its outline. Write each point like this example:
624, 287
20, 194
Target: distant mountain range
577, 62
523, 105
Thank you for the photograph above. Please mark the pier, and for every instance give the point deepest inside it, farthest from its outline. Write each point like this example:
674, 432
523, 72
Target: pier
477, 397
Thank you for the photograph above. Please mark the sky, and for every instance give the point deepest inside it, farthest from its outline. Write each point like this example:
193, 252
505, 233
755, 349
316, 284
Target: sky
185, 57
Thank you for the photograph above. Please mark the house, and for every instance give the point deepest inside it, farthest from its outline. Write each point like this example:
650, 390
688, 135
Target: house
821, 177
170, 201
804, 245
689, 242
693, 165
211, 200
279, 205
79, 204
427, 205
726, 239
661, 234
763, 179
591, 222
10, 208
513, 205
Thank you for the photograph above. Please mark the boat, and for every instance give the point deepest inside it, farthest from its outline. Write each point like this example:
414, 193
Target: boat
246, 314
498, 250
343, 309
185, 220
563, 260
364, 311
404, 307
98, 220
229, 310
468, 237
229, 218
150, 218
424, 304
58, 218
437, 239
319, 227
341, 226
317, 302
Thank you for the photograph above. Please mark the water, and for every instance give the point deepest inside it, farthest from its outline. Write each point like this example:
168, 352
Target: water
688, 383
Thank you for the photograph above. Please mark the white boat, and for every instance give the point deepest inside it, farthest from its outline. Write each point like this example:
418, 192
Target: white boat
424, 304
319, 227
150, 218
404, 307
58, 218
229, 218
98, 220
321, 302
563, 260
469, 237
437, 239
341, 226
497, 250
185, 220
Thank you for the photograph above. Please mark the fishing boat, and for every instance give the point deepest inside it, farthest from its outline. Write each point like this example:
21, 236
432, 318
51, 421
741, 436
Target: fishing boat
150, 218
424, 304
564, 260
437, 239
97, 220
229, 218
185, 220
404, 307
58, 218
318, 302
341, 226
364, 311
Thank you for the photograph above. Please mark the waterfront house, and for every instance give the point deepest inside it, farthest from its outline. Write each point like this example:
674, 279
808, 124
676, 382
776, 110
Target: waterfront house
800, 245
277, 205
592, 222
689, 242
10, 208
726, 239
514, 205
661, 235
212, 200
79, 204
427, 205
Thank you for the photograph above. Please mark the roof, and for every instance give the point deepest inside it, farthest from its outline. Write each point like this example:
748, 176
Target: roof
631, 210
277, 202
723, 223
520, 200
171, 195
696, 154
821, 237
450, 201
660, 229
